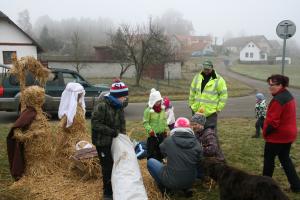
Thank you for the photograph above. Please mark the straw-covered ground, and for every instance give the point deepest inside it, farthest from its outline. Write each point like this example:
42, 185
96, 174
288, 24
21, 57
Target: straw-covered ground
235, 136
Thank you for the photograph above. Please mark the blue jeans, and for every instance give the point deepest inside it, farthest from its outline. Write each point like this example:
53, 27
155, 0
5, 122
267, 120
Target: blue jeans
154, 168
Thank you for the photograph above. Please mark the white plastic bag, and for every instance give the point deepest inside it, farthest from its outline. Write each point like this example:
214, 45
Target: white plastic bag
126, 178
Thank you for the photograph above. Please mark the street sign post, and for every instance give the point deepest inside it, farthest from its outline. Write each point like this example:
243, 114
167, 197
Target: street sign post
285, 30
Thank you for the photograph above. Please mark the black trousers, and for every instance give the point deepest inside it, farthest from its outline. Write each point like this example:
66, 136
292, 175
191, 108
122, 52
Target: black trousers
283, 152
259, 125
106, 162
153, 150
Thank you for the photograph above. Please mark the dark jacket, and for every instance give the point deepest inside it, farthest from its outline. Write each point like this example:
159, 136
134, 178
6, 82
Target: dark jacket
280, 123
15, 149
209, 141
106, 122
183, 153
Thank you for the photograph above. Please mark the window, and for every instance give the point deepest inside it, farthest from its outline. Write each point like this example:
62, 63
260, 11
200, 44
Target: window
251, 55
69, 77
247, 55
7, 57
262, 56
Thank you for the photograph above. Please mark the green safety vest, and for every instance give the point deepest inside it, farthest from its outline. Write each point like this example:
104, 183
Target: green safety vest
213, 97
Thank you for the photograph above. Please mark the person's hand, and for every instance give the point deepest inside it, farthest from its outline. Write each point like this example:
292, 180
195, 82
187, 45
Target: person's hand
152, 134
165, 134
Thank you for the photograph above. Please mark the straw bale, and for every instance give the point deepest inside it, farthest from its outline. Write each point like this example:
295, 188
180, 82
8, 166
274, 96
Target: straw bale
68, 137
150, 185
65, 150
88, 168
36, 138
58, 186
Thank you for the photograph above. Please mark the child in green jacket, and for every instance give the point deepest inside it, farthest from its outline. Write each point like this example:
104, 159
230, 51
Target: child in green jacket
155, 123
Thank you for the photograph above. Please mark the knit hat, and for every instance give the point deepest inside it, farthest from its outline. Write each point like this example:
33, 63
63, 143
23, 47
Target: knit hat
154, 97
118, 89
167, 102
207, 64
182, 122
198, 118
260, 96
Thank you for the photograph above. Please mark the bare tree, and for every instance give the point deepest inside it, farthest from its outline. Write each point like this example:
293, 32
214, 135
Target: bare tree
120, 52
77, 51
141, 46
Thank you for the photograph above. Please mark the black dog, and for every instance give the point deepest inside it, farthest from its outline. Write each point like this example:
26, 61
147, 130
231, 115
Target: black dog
235, 184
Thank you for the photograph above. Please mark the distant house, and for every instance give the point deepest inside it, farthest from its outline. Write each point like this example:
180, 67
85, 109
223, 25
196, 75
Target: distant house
14, 40
202, 49
253, 53
257, 49
188, 44
235, 45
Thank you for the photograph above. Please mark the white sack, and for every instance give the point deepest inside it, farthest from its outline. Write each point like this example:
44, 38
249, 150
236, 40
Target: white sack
126, 178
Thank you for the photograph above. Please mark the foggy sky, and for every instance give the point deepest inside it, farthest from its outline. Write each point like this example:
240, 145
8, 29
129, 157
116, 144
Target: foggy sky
216, 17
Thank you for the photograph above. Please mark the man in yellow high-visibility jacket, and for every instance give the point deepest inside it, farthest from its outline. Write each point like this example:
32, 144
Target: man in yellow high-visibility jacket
208, 92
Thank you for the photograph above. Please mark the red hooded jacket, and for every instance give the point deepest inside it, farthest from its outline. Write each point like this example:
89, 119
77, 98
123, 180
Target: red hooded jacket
280, 123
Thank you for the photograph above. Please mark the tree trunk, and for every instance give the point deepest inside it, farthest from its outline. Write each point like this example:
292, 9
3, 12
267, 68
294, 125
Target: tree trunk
139, 72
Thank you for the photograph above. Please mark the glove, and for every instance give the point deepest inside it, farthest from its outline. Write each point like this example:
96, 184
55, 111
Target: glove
152, 134
165, 134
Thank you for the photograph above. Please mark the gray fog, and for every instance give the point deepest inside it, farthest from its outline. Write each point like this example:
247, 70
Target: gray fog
216, 17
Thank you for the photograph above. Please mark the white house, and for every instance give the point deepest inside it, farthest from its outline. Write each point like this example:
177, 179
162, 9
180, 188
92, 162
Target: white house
14, 40
251, 52
235, 45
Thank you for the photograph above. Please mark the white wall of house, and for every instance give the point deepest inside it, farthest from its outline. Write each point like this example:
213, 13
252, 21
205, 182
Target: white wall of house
251, 52
100, 69
95, 69
11, 34
20, 50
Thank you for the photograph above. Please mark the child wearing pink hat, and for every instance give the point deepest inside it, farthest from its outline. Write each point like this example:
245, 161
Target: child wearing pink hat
183, 153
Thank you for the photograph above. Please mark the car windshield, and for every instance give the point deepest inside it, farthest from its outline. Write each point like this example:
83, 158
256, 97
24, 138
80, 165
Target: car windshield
70, 77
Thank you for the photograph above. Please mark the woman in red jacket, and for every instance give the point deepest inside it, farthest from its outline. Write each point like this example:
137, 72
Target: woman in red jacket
280, 130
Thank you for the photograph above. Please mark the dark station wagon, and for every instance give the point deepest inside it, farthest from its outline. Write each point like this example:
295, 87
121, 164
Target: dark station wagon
10, 90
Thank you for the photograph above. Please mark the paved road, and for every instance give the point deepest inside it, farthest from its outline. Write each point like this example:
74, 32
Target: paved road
235, 107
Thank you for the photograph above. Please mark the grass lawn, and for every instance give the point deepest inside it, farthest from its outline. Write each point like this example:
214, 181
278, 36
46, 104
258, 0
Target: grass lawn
262, 72
235, 137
